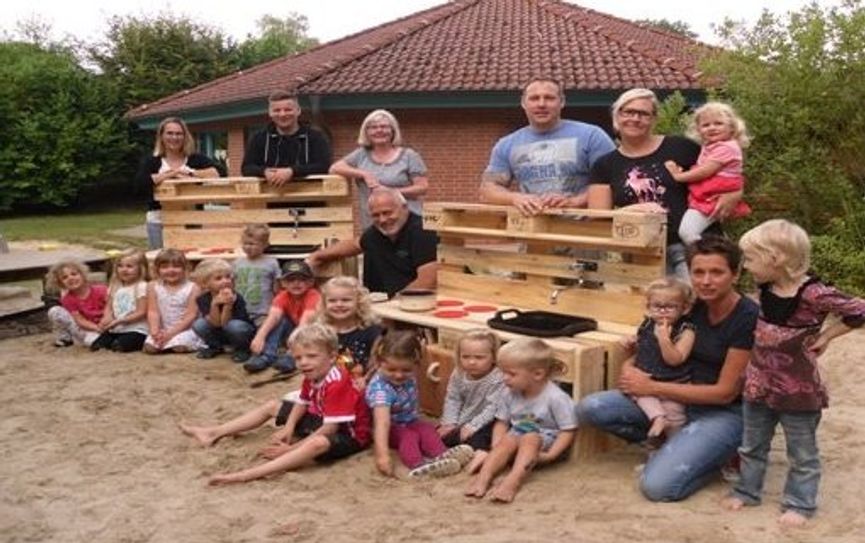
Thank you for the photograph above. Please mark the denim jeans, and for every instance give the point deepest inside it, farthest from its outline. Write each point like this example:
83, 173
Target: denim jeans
803, 479
154, 235
276, 339
688, 460
677, 263
236, 333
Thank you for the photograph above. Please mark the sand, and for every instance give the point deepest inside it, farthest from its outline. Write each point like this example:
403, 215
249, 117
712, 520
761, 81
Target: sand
91, 452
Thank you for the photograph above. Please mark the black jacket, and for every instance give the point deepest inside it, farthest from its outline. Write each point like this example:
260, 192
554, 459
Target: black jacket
306, 152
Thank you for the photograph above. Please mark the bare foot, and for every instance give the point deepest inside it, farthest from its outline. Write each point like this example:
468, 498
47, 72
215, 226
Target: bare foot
732, 503
792, 519
477, 488
203, 434
506, 491
225, 479
658, 426
477, 461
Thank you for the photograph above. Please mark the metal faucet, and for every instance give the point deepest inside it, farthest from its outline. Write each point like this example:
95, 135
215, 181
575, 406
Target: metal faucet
565, 284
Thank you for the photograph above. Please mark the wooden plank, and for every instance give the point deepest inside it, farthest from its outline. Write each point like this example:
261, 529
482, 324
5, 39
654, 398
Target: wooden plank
244, 216
212, 190
585, 227
546, 265
603, 305
228, 236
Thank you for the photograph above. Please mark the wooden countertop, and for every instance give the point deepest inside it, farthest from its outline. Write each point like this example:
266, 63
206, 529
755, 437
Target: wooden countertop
390, 310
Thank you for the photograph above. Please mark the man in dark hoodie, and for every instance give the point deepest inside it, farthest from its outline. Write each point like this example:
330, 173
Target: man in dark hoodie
285, 150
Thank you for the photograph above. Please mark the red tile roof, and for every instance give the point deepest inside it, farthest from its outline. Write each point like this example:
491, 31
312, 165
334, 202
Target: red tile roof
466, 45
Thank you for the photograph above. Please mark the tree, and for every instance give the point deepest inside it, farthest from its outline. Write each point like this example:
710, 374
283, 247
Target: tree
277, 38
150, 58
676, 27
799, 82
62, 127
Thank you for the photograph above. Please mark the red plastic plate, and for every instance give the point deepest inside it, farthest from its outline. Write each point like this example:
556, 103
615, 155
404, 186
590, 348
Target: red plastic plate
450, 314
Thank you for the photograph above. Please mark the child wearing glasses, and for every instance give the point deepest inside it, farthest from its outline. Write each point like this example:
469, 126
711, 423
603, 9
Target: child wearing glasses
663, 344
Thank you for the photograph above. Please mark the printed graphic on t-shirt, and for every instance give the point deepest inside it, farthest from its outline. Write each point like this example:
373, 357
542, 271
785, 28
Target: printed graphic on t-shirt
547, 166
248, 283
644, 185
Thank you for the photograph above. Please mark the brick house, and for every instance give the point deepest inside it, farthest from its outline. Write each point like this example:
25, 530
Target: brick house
451, 74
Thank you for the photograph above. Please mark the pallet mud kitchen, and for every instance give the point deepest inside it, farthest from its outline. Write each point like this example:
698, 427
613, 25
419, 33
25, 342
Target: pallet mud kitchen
205, 217
572, 276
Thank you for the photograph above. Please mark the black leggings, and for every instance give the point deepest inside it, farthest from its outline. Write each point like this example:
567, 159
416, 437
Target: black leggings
124, 342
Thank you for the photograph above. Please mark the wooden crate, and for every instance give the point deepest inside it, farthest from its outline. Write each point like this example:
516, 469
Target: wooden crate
207, 214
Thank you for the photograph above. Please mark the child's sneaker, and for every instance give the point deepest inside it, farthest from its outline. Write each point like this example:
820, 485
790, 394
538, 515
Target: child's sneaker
437, 468
63, 341
285, 364
461, 453
240, 356
208, 352
256, 364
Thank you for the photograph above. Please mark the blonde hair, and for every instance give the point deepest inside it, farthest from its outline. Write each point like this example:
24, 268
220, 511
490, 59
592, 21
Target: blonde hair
315, 333
739, 131
207, 268
140, 263
478, 334
377, 115
52, 278
671, 283
364, 313
530, 353
188, 140
629, 96
256, 231
784, 242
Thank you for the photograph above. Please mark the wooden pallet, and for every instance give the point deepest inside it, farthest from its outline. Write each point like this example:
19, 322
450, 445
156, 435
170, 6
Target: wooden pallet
206, 214
575, 261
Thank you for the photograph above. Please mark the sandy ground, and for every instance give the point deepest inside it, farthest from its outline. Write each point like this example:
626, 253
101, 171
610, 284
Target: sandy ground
91, 452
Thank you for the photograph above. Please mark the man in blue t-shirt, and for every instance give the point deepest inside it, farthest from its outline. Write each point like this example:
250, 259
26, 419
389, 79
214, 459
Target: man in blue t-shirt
549, 160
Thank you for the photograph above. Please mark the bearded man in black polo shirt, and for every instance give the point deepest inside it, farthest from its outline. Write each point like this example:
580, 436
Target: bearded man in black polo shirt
397, 252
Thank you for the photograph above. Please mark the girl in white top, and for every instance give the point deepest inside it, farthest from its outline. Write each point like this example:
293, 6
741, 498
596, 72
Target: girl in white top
171, 306
124, 325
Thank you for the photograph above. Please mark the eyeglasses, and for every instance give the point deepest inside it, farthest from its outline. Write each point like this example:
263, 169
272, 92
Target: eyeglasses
638, 113
662, 308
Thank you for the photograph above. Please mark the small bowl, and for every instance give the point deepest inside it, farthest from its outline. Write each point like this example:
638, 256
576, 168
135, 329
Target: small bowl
417, 300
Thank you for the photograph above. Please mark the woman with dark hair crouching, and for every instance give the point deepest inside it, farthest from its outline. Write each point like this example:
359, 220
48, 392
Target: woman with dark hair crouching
724, 321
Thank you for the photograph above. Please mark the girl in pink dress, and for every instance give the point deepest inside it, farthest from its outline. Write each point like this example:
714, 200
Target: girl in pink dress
718, 170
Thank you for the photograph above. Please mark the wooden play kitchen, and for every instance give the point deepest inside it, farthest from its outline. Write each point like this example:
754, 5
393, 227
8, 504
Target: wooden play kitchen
500, 269
205, 217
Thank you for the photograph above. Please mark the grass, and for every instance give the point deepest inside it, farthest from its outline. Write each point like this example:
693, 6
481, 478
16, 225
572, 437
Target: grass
92, 228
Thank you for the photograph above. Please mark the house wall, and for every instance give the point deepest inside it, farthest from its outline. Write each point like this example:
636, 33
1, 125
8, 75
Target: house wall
455, 144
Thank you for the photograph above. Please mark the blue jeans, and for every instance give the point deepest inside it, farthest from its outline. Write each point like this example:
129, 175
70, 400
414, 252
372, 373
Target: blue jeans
236, 333
803, 479
154, 235
276, 338
688, 460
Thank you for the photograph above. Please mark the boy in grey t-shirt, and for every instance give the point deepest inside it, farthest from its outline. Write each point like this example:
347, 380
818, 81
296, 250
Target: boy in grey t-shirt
256, 275
535, 420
